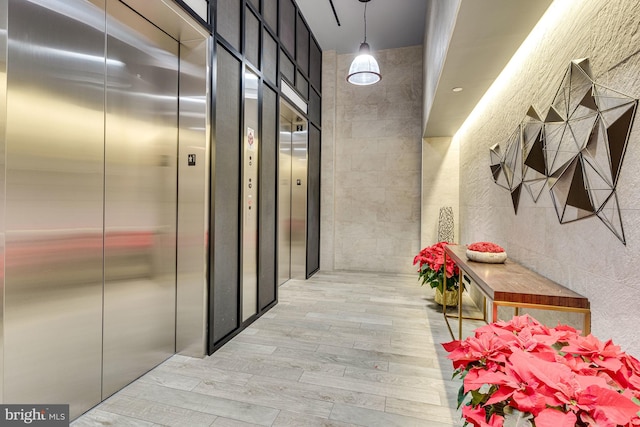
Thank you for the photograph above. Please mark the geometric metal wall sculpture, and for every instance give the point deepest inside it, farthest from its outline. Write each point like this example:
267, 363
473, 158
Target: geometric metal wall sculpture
576, 149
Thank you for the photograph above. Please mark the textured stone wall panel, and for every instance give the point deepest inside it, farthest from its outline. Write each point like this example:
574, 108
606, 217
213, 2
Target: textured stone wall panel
584, 255
375, 193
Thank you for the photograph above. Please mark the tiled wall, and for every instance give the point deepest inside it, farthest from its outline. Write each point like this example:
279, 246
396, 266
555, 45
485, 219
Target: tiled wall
371, 159
584, 256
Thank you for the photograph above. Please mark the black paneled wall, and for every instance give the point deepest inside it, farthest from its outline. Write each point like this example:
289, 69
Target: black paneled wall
268, 218
313, 201
225, 250
271, 39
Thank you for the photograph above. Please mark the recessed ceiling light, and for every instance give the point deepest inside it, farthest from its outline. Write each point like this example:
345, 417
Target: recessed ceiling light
457, 89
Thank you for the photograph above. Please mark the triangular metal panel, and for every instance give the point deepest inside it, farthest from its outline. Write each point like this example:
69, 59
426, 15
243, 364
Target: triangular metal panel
582, 128
495, 148
553, 116
533, 114
515, 197
535, 157
562, 184
607, 99
584, 65
501, 179
611, 217
530, 133
580, 88
560, 104
588, 101
578, 196
618, 136
535, 187
552, 138
612, 115
597, 152
572, 214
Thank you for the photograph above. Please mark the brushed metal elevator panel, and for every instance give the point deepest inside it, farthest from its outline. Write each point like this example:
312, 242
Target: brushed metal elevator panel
193, 187
4, 13
250, 202
299, 198
141, 131
292, 195
284, 200
53, 219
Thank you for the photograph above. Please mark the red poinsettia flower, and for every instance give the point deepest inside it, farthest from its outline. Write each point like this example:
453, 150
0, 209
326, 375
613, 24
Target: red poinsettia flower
531, 343
485, 247
629, 375
557, 377
602, 354
432, 269
553, 417
611, 408
578, 365
484, 349
478, 417
515, 325
540, 374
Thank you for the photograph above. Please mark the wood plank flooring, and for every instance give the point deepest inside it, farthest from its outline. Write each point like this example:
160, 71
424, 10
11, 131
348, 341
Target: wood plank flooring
341, 349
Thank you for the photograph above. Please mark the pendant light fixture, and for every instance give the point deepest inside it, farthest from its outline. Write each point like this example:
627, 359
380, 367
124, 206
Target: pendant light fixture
364, 69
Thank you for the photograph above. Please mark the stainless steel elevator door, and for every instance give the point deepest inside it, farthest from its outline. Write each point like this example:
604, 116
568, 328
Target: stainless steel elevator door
284, 201
140, 197
299, 199
54, 180
292, 195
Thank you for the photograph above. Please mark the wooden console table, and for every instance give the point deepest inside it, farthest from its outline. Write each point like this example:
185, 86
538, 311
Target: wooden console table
512, 285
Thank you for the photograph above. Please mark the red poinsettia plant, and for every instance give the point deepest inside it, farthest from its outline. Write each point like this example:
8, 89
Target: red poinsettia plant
432, 268
522, 373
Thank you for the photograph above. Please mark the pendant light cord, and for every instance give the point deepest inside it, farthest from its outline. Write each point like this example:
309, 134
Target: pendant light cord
365, 22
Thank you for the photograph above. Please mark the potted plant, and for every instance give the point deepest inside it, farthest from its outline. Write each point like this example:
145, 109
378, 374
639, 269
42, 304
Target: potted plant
522, 373
432, 270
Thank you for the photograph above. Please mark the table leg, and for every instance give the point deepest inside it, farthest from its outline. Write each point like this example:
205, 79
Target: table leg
587, 323
484, 308
460, 291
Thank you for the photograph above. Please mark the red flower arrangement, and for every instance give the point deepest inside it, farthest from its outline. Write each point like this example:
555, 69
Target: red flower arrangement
431, 268
526, 374
485, 247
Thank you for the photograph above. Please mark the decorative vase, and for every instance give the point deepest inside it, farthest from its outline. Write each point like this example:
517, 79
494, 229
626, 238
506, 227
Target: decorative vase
487, 257
452, 297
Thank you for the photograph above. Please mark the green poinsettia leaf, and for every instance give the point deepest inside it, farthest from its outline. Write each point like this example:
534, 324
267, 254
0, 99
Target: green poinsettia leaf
461, 396
477, 397
458, 373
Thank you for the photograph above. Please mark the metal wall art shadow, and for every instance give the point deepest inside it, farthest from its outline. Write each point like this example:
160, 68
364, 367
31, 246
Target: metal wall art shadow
576, 150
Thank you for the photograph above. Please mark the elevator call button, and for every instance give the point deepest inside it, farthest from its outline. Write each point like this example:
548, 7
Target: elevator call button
191, 159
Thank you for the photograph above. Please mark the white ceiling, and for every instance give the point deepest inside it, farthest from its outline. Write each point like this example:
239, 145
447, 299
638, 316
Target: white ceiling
390, 23
486, 35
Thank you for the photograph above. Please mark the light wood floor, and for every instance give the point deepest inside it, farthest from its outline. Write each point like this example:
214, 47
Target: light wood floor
341, 349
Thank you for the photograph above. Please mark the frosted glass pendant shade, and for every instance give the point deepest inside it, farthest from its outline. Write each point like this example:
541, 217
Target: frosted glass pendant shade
364, 69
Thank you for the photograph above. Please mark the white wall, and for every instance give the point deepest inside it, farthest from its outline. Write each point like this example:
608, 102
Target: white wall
440, 186
584, 256
371, 157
